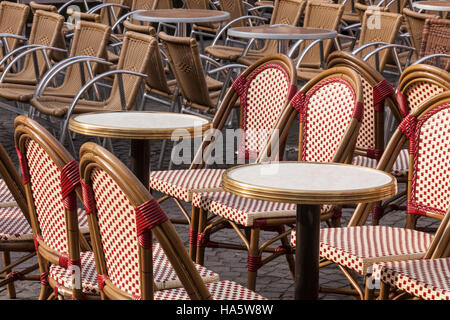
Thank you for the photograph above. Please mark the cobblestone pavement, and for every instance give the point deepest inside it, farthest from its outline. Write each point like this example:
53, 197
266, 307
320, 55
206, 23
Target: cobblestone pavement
274, 280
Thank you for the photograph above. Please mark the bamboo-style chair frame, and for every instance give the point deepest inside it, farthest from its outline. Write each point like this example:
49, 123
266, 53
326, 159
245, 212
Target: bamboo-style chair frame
207, 225
27, 131
13, 181
151, 221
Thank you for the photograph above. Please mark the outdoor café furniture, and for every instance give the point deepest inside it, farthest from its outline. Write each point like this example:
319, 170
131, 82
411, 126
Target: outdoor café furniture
13, 17
436, 43
425, 278
16, 235
126, 213
308, 185
330, 109
43, 35
181, 17
438, 6
263, 91
427, 131
284, 12
135, 54
140, 127
311, 58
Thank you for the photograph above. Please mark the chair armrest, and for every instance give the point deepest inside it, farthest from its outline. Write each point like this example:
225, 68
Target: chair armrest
124, 17
57, 68
367, 45
16, 51
430, 56
13, 36
227, 26
392, 46
305, 51
33, 51
104, 5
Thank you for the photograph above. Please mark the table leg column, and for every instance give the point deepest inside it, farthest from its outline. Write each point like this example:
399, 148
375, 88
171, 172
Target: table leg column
140, 160
307, 252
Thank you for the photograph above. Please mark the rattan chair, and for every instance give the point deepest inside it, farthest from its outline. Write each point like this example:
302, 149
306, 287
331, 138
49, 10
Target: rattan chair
425, 278
324, 136
201, 93
15, 228
125, 272
135, 54
371, 140
415, 22
88, 45
51, 177
427, 130
271, 76
285, 12
436, 41
13, 17
323, 15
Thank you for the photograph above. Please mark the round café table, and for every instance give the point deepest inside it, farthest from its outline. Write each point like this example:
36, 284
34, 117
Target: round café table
440, 6
283, 34
309, 185
140, 127
182, 17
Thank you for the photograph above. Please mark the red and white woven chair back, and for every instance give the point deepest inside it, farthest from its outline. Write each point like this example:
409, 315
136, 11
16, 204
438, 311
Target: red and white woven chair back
429, 137
326, 112
418, 92
45, 181
263, 95
117, 224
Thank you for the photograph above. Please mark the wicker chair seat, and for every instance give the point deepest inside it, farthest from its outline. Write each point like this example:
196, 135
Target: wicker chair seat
24, 92
358, 248
14, 226
164, 275
223, 290
399, 169
58, 106
5, 195
224, 52
182, 184
306, 73
425, 278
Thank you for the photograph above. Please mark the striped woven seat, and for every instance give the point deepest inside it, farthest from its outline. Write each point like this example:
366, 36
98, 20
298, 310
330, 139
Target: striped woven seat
182, 184
6, 196
164, 275
13, 225
358, 248
428, 279
399, 169
223, 290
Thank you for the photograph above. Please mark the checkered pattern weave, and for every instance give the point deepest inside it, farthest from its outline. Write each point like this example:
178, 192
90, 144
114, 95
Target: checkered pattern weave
426, 279
420, 91
5, 194
328, 111
117, 223
431, 169
358, 248
89, 283
399, 169
268, 88
13, 225
223, 290
366, 136
46, 188
181, 184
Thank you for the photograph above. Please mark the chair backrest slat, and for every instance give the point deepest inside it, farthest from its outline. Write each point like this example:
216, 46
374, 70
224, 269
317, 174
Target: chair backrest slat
436, 39
13, 17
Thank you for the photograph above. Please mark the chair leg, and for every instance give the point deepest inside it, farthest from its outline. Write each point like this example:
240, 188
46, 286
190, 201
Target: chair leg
289, 254
384, 291
200, 254
193, 229
10, 286
254, 258
369, 290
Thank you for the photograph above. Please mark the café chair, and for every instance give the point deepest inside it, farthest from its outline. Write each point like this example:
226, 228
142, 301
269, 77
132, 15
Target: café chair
435, 41
309, 60
124, 217
13, 18
51, 183
263, 91
330, 107
15, 228
425, 278
370, 143
135, 54
284, 12
415, 23
427, 131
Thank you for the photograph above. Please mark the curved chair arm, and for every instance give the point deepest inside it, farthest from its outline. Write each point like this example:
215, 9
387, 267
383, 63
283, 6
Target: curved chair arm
68, 3
104, 5
23, 54
17, 50
57, 68
258, 8
294, 47
305, 51
392, 46
124, 17
367, 45
227, 26
14, 36
88, 85
430, 56
228, 66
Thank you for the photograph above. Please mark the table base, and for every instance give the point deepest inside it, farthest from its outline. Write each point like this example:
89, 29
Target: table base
140, 160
